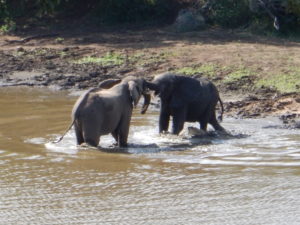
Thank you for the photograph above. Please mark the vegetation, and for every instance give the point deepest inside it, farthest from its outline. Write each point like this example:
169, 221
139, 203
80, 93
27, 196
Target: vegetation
246, 14
208, 70
230, 13
284, 83
110, 59
237, 74
119, 58
226, 13
288, 82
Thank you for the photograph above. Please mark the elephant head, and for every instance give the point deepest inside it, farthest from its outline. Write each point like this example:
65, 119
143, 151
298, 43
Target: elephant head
163, 85
138, 88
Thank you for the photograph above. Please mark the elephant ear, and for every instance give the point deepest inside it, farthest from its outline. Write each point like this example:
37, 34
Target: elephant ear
134, 91
107, 84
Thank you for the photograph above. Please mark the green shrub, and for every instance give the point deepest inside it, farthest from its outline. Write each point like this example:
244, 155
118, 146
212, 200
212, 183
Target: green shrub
120, 11
230, 13
285, 83
208, 70
238, 74
109, 59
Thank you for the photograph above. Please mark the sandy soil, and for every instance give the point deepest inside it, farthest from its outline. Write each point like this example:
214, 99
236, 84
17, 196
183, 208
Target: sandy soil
52, 58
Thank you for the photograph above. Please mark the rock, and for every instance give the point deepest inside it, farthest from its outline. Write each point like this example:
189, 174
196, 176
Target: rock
193, 131
188, 20
94, 74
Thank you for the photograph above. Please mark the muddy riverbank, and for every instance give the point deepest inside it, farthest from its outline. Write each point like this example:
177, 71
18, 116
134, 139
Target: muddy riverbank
80, 60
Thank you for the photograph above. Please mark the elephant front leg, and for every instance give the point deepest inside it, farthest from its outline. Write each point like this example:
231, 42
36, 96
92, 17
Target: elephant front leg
178, 120
78, 133
115, 136
164, 118
214, 122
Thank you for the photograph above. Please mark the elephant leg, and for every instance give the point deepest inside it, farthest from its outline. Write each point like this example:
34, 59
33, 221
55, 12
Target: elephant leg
115, 135
90, 135
164, 118
92, 142
204, 120
78, 133
178, 120
123, 130
214, 122
203, 125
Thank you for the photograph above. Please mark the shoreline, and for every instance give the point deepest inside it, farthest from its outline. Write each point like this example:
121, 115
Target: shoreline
70, 62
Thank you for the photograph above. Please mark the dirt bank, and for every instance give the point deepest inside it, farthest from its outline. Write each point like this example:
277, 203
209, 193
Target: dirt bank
234, 61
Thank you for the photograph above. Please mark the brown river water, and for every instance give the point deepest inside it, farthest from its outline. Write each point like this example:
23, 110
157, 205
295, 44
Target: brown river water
253, 179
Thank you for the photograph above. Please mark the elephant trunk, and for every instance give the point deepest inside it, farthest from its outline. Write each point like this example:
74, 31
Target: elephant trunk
147, 99
152, 86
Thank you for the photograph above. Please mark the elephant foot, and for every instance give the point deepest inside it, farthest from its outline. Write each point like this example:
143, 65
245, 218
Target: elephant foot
123, 146
91, 143
114, 145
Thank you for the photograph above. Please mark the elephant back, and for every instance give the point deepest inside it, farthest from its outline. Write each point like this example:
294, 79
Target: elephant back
81, 101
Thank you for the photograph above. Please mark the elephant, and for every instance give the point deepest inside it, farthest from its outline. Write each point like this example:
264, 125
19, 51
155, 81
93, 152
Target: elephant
186, 99
108, 109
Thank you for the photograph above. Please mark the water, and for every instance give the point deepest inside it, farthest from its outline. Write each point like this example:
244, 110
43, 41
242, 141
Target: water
163, 180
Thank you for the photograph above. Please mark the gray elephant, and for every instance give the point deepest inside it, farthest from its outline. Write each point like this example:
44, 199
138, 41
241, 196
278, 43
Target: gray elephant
186, 99
107, 109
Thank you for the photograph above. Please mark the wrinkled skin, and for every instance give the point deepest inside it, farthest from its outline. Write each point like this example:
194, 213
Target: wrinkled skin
187, 100
107, 109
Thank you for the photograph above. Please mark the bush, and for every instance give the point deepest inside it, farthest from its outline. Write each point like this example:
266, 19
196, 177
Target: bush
119, 11
112, 11
226, 13
230, 13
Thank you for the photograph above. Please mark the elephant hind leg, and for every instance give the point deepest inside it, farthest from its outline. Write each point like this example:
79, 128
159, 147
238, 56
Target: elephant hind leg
78, 133
91, 139
122, 130
214, 122
204, 119
90, 135
115, 135
123, 135
92, 142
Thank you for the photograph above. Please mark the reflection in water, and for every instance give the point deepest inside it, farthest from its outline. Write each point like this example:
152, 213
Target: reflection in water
164, 180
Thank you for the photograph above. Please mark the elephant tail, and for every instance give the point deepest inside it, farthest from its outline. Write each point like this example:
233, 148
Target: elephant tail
58, 140
220, 117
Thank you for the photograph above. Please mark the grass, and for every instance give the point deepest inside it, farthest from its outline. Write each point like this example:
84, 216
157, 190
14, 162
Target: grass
143, 59
208, 70
62, 54
284, 83
109, 59
59, 40
7, 27
237, 75
115, 59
